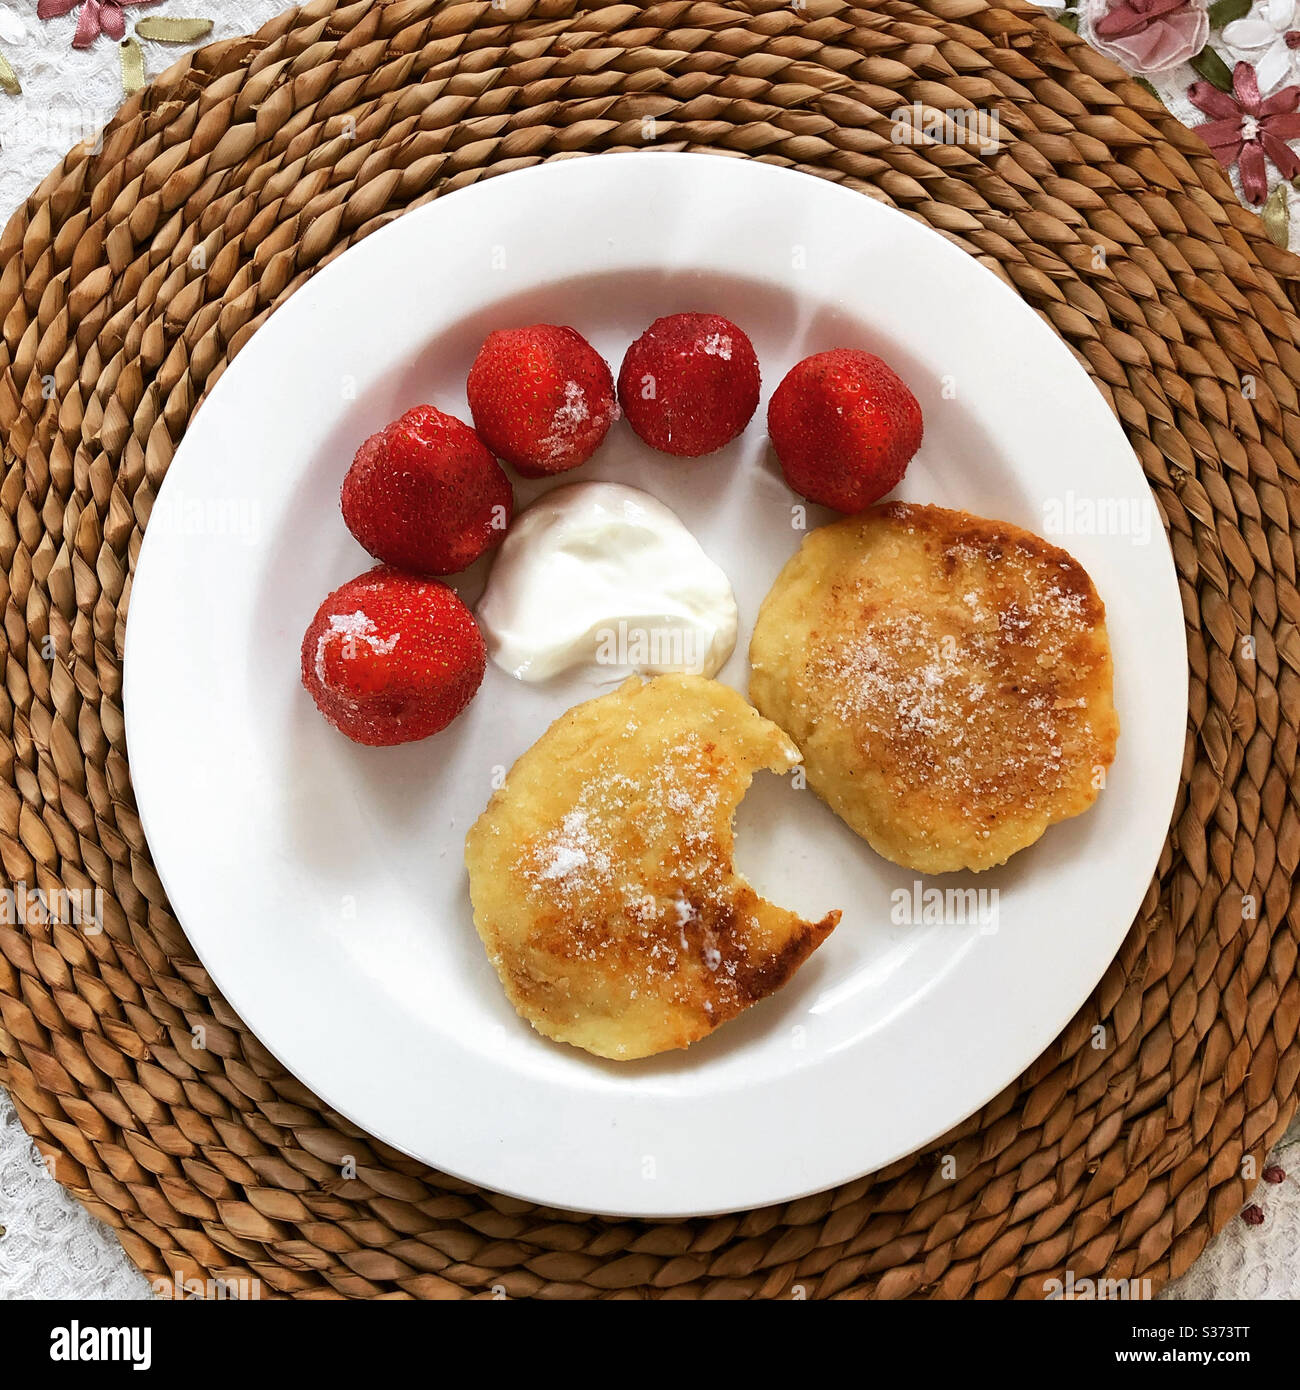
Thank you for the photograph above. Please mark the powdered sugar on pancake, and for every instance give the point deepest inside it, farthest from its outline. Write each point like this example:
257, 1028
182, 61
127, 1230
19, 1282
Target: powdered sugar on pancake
965, 695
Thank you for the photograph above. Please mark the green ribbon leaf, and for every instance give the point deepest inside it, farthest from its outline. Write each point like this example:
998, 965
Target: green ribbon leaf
9, 78
1225, 11
166, 30
1211, 67
1070, 19
1276, 217
132, 66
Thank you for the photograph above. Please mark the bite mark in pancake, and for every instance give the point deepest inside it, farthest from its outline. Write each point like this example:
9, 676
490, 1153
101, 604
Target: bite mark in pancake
947, 678
601, 872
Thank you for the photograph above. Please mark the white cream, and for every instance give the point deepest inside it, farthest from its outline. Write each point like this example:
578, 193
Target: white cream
606, 579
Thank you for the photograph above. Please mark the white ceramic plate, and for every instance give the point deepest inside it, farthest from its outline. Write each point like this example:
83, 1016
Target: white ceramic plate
322, 883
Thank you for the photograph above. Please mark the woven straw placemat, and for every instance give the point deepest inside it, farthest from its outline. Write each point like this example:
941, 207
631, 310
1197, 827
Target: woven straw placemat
1140, 1131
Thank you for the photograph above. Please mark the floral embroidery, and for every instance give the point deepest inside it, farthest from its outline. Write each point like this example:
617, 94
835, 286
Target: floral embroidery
95, 18
1269, 34
1249, 130
1148, 36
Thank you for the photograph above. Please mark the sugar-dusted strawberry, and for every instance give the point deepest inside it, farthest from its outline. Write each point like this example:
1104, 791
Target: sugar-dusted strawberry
426, 495
390, 657
542, 398
845, 427
689, 384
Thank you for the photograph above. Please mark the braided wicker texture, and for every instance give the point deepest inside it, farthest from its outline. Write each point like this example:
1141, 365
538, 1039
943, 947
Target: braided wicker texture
1138, 1133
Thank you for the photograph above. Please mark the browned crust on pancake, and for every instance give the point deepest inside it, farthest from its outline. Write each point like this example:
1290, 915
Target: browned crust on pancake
994, 540
601, 873
947, 678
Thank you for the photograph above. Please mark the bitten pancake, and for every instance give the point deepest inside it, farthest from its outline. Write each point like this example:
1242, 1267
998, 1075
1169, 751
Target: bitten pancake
947, 679
601, 872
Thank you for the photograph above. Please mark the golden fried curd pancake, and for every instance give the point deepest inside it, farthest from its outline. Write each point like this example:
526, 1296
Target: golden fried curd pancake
947, 679
601, 871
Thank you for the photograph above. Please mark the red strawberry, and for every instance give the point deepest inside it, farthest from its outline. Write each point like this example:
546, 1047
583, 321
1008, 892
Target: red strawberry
424, 494
542, 398
845, 427
689, 384
390, 658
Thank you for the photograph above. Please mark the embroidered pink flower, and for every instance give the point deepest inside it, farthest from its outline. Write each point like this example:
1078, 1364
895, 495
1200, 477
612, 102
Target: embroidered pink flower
1249, 130
1147, 36
97, 17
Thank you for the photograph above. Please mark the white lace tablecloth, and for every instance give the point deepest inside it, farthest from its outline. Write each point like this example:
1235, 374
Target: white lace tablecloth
52, 1247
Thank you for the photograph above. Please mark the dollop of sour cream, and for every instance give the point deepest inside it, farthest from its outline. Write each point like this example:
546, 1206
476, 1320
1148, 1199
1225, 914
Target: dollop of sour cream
605, 579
